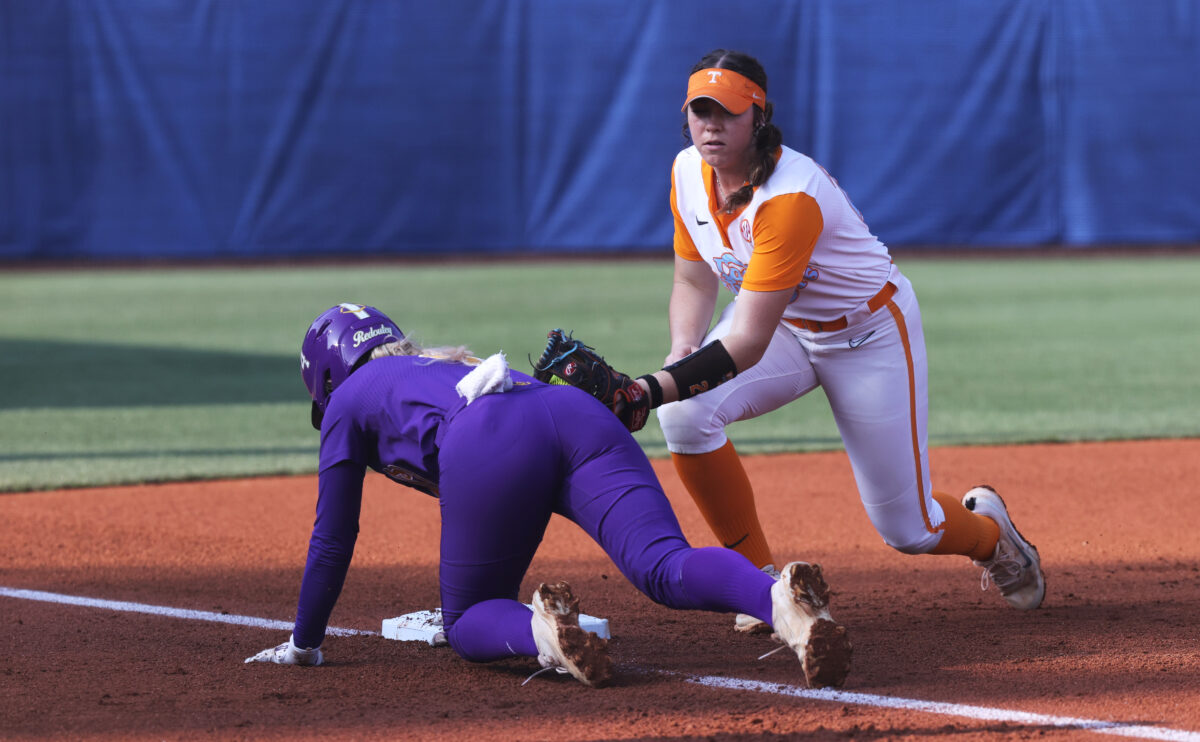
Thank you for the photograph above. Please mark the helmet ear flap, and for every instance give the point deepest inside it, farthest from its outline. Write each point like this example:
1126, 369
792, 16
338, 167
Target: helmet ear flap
328, 383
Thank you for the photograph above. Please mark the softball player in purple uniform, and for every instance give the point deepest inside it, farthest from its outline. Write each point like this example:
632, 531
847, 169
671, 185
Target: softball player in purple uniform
501, 452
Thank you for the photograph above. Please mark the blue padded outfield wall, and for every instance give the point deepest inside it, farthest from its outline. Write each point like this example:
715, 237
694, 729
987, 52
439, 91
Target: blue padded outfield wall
268, 128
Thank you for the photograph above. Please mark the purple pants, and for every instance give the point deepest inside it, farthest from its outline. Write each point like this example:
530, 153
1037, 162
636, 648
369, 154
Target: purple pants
508, 461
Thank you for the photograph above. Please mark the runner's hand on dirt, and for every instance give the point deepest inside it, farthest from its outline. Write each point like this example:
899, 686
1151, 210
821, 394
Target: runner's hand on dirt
289, 654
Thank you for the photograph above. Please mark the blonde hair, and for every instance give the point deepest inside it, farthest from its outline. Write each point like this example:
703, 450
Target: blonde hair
406, 347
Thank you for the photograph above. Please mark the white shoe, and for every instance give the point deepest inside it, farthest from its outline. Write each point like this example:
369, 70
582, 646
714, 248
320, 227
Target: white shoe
1015, 566
561, 644
800, 612
747, 624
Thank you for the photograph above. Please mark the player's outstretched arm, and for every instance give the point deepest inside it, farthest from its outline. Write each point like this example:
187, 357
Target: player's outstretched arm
330, 549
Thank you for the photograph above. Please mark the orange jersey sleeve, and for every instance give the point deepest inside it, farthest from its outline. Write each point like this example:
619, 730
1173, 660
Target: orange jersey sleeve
786, 229
684, 247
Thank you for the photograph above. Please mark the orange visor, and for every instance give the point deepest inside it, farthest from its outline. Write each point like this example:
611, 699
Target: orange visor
735, 92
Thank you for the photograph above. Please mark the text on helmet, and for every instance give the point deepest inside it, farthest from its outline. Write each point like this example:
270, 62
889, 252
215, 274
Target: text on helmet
362, 336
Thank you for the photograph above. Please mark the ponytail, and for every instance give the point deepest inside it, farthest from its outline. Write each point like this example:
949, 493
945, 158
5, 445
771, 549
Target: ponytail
767, 139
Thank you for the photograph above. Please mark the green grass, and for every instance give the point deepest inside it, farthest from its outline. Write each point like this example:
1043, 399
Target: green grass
149, 375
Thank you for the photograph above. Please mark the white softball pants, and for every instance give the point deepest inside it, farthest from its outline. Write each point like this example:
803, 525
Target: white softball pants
874, 375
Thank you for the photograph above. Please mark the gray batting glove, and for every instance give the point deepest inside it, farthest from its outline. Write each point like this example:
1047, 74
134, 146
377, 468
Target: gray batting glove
289, 654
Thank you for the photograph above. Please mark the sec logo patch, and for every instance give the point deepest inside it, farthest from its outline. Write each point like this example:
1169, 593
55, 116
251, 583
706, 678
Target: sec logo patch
745, 227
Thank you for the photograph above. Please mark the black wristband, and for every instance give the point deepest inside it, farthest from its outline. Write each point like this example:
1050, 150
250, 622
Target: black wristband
655, 389
706, 368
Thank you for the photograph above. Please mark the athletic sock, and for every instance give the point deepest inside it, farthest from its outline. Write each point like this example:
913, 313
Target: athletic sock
719, 580
964, 532
718, 484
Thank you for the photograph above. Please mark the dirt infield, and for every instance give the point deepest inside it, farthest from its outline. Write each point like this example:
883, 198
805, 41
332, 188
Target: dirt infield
1115, 642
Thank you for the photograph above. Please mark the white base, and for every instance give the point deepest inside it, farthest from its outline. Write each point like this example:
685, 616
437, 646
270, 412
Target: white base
426, 626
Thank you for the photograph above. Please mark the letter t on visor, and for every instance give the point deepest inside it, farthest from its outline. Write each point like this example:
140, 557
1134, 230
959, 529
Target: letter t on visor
734, 91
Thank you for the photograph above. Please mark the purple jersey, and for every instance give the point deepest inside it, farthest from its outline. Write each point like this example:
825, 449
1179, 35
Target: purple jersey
389, 416
503, 465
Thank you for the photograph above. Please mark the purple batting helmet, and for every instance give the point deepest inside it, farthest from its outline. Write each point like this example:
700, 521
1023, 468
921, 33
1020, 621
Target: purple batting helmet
335, 343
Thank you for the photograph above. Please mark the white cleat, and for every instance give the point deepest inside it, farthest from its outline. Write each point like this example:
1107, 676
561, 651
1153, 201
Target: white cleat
1015, 566
747, 624
562, 645
800, 612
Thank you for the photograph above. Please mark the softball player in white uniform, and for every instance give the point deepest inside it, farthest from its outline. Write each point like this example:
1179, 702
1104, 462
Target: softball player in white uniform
818, 303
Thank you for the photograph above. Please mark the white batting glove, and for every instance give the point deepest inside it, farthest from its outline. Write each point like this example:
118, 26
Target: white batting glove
289, 654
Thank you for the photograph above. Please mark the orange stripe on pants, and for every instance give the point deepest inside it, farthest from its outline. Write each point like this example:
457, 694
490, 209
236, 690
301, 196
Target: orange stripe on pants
898, 316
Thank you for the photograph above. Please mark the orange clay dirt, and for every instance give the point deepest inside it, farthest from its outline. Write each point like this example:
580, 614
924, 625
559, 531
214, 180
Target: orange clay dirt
1115, 641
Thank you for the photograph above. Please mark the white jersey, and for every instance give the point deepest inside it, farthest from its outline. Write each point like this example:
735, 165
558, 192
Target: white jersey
799, 230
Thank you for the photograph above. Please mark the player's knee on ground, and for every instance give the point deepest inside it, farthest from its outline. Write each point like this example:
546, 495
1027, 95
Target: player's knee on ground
689, 427
458, 646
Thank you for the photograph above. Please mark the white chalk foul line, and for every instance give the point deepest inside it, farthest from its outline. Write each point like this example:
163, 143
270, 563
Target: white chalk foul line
979, 713
158, 610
